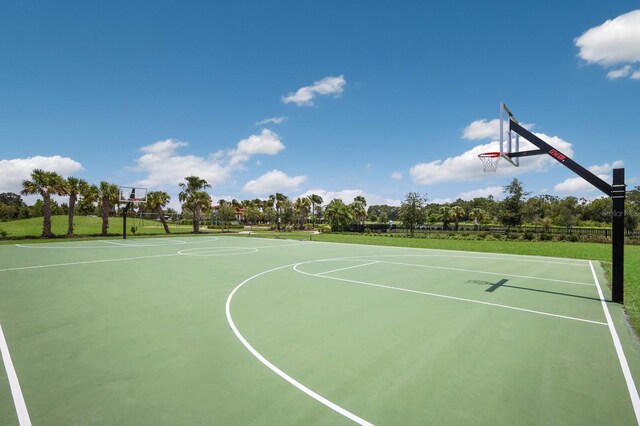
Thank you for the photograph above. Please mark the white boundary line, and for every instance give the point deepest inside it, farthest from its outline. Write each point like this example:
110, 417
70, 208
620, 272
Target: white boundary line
279, 372
631, 386
218, 251
142, 243
492, 258
443, 296
78, 245
348, 267
486, 272
498, 256
87, 262
16, 392
123, 259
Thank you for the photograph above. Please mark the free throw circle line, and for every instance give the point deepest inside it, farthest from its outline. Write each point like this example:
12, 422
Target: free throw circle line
335, 407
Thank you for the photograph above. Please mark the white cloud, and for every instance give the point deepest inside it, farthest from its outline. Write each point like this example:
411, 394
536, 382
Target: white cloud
635, 75
467, 166
267, 142
482, 129
13, 172
274, 120
164, 166
160, 147
305, 95
620, 72
396, 175
577, 184
486, 129
574, 185
273, 181
606, 168
441, 200
496, 191
616, 41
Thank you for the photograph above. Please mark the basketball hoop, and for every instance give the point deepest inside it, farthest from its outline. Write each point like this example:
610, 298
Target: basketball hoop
489, 161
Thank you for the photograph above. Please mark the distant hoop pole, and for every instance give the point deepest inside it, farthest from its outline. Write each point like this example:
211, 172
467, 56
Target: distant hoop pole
132, 199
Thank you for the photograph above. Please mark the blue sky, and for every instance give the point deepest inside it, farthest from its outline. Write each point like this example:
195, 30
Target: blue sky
338, 98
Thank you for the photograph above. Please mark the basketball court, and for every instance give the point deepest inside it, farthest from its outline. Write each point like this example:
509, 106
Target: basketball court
240, 330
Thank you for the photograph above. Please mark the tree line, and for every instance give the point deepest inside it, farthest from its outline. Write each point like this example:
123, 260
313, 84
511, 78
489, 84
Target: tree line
516, 209
279, 211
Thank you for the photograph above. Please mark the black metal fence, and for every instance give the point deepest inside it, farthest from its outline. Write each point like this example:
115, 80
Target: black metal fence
552, 230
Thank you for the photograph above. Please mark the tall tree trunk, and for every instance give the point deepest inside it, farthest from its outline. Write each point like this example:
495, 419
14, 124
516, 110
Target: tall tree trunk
162, 219
105, 219
72, 212
46, 215
196, 218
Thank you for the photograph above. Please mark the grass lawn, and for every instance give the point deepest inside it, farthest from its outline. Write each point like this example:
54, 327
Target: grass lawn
86, 225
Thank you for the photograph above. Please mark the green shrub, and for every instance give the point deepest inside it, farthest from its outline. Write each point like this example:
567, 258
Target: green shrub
545, 236
325, 229
528, 235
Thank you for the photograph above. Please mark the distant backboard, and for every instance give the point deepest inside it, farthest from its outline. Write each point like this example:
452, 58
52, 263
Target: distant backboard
130, 194
509, 141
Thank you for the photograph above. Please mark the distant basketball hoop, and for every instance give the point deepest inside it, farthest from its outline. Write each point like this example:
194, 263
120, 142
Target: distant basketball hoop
489, 161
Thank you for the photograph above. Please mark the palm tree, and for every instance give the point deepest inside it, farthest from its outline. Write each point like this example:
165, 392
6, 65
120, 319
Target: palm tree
107, 195
157, 201
315, 200
358, 209
75, 187
45, 184
302, 206
193, 197
281, 201
446, 216
338, 214
458, 213
361, 199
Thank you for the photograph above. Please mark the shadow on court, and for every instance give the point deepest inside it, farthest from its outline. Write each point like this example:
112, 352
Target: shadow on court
503, 283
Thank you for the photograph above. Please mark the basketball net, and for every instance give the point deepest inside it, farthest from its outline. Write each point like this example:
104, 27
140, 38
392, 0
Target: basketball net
489, 161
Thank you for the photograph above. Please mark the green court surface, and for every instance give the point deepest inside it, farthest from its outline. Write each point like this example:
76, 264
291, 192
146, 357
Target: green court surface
248, 331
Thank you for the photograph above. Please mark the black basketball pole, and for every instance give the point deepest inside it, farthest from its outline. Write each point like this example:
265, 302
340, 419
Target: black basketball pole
618, 194
132, 196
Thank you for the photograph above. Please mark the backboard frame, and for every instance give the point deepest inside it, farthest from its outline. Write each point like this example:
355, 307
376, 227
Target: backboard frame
508, 144
130, 194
